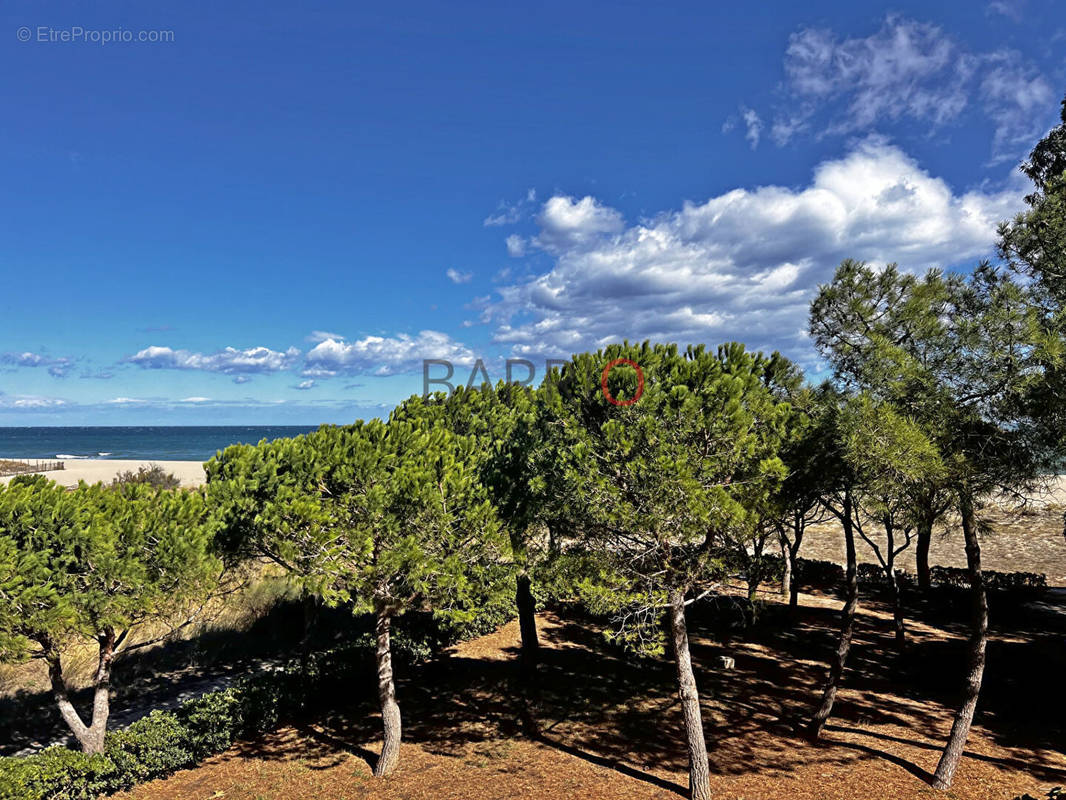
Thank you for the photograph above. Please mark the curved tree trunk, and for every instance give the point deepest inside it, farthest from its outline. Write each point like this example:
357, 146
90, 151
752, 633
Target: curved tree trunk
90, 737
699, 780
786, 558
390, 709
847, 627
960, 728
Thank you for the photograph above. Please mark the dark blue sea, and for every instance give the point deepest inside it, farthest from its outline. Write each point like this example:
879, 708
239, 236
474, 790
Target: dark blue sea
161, 443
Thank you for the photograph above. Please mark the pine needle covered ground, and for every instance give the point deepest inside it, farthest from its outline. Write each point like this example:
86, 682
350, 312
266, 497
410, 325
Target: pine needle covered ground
610, 726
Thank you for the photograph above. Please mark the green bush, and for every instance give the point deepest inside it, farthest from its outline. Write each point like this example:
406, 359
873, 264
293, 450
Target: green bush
157, 744
214, 721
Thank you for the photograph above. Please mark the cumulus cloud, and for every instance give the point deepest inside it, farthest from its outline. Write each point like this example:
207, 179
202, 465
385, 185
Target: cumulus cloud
742, 265
303, 386
381, 355
57, 367
567, 224
455, 276
906, 71
321, 336
229, 361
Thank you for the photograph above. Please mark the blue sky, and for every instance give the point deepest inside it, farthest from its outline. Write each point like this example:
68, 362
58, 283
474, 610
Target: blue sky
274, 214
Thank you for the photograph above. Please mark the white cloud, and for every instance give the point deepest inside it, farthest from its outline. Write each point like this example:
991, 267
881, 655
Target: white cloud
229, 361
195, 400
1018, 98
510, 213
568, 224
455, 276
753, 124
516, 245
57, 367
380, 355
29, 402
1008, 8
906, 71
305, 385
744, 264
321, 336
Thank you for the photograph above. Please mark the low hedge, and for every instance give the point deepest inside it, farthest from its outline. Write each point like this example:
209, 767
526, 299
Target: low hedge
165, 741
827, 575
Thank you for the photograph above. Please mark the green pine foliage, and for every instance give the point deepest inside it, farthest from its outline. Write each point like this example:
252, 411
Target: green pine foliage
89, 566
661, 488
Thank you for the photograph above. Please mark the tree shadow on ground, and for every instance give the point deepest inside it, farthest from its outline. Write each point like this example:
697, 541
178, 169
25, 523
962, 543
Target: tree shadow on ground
594, 702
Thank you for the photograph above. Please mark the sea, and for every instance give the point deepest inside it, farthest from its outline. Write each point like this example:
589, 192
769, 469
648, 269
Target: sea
158, 443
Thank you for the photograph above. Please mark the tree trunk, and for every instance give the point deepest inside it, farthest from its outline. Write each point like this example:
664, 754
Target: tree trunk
921, 553
527, 621
390, 709
798, 529
786, 558
90, 737
698, 766
897, 608
893, 585
527, 624
960, 728
847, 627
310, 609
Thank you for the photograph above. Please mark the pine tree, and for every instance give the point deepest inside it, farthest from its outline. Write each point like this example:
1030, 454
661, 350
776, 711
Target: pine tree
90, 566
384, 518
659, 488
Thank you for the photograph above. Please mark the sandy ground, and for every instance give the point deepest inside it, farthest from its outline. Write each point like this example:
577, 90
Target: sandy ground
190, 473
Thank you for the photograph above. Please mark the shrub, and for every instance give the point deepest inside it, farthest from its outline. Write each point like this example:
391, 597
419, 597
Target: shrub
165, 741
157, 744
151, 474
819, 574
1019, 584
214, 721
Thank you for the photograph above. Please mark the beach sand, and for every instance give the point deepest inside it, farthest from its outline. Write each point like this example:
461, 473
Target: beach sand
190, 473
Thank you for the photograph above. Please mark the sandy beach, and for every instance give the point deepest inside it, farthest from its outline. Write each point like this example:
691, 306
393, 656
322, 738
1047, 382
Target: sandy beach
190, 473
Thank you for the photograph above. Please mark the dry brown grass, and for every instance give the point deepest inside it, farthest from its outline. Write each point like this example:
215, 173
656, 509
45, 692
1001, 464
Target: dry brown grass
1019, 541
229, 614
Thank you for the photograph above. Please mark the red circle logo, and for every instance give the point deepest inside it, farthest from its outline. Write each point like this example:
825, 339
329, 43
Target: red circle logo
640, 382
